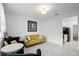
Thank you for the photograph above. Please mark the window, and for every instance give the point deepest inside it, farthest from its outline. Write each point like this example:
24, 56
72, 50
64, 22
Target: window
2, 19
2, 22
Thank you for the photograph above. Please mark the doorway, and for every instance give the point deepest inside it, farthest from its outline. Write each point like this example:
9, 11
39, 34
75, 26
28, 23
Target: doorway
70, 32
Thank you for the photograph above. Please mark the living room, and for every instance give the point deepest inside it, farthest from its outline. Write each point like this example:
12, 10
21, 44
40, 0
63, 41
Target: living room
29, 23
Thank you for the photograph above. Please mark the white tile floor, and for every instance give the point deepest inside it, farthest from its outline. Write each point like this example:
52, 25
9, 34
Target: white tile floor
50, 49
72, 44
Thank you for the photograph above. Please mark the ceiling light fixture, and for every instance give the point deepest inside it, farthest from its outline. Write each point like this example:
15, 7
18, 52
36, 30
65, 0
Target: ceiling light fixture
44, 8
43, 11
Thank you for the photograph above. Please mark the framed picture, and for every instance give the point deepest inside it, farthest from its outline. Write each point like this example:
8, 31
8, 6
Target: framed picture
32, 26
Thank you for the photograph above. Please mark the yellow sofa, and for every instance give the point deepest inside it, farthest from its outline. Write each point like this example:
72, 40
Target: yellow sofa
34, 39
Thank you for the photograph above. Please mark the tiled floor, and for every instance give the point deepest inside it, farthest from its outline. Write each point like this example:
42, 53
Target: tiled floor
72, 44
50, 49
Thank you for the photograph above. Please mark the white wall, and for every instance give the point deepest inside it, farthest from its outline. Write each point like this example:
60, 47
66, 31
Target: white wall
70, 21
17, 25
53, 28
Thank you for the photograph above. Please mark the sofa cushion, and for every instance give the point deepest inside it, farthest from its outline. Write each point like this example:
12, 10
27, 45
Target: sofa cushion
14, 41
34, 37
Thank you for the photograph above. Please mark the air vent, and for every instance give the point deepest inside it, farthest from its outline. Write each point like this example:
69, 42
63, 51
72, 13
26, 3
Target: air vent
56, 14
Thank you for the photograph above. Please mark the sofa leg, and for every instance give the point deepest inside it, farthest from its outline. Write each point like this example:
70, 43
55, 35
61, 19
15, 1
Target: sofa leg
38, 52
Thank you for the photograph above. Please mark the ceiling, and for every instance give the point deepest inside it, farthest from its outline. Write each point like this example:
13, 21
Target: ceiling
31, 9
